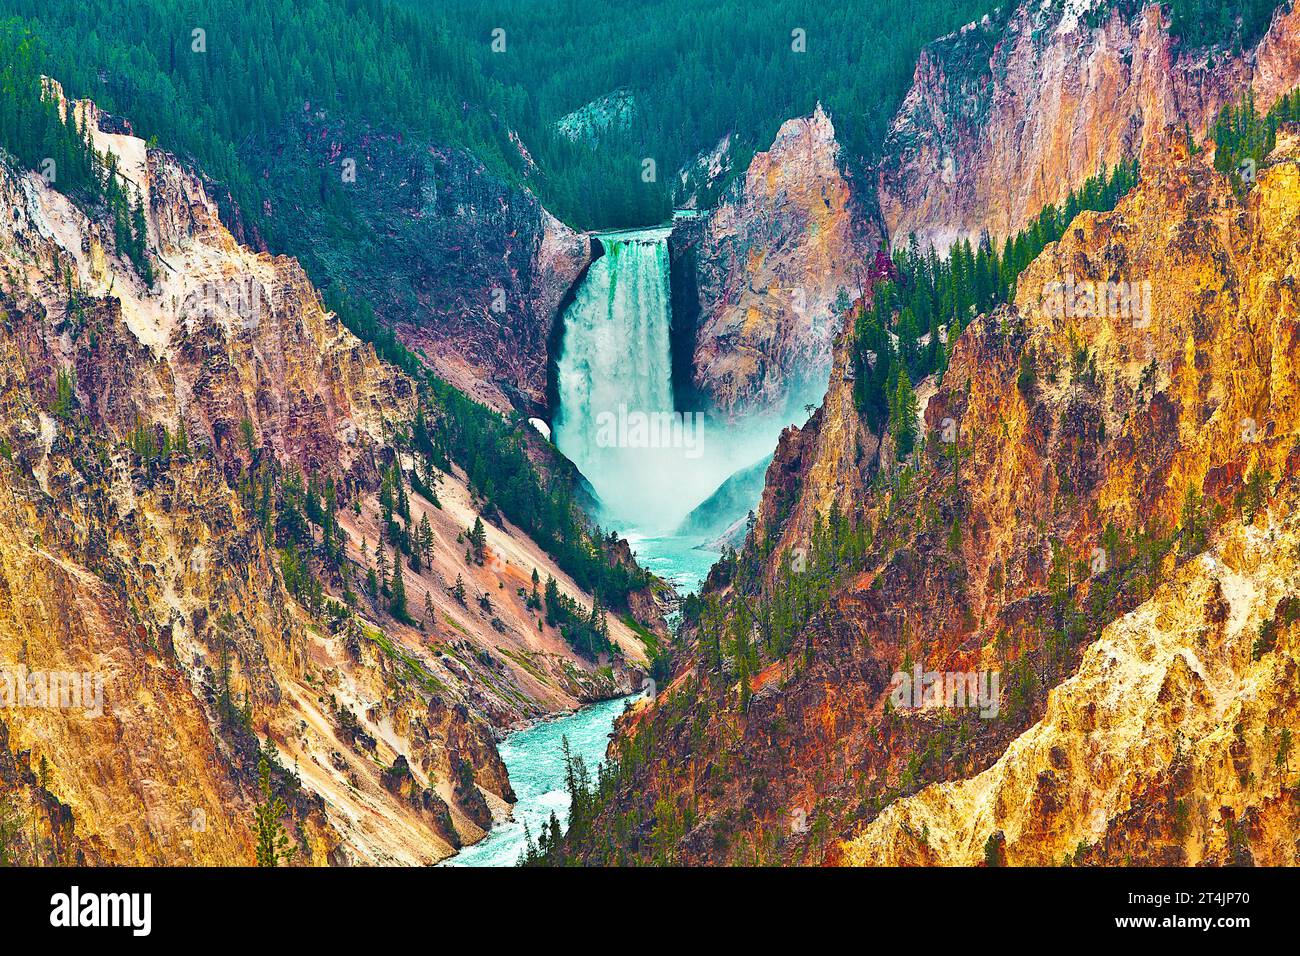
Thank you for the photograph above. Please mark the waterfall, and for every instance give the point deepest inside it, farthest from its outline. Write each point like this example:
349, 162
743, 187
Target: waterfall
615, 420
615, 369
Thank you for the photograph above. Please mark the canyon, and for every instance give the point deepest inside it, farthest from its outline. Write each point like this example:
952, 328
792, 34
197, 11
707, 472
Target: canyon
206, 472
136, 415
1127, 679
1099, 510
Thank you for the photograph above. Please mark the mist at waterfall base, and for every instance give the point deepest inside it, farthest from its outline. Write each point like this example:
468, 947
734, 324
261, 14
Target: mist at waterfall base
648, 464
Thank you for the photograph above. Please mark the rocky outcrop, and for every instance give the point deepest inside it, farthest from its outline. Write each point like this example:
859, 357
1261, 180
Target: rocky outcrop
775, 265
1010, 113
223, 334
826, 463
1161, 750
468, 268
699, 180
588, 123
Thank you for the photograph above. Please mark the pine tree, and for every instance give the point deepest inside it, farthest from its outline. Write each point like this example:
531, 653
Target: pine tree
381, 567
530, 856
478, 541
138, 249
556, 840
386, 500
425, 535
403, 502
397, 605
272, 842
553, 606
63, 395
249, 436
903, 416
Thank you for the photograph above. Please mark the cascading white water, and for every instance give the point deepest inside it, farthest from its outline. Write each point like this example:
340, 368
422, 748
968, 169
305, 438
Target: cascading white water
616, 359
616, 420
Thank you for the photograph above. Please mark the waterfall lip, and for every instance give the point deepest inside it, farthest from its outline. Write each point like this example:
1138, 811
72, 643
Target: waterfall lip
645, 234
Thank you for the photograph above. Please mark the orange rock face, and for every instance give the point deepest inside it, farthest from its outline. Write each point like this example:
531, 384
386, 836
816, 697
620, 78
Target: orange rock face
783, 247
1163, 747
1010, 114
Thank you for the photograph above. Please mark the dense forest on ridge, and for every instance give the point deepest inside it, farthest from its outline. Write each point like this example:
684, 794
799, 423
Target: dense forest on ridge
669, 79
